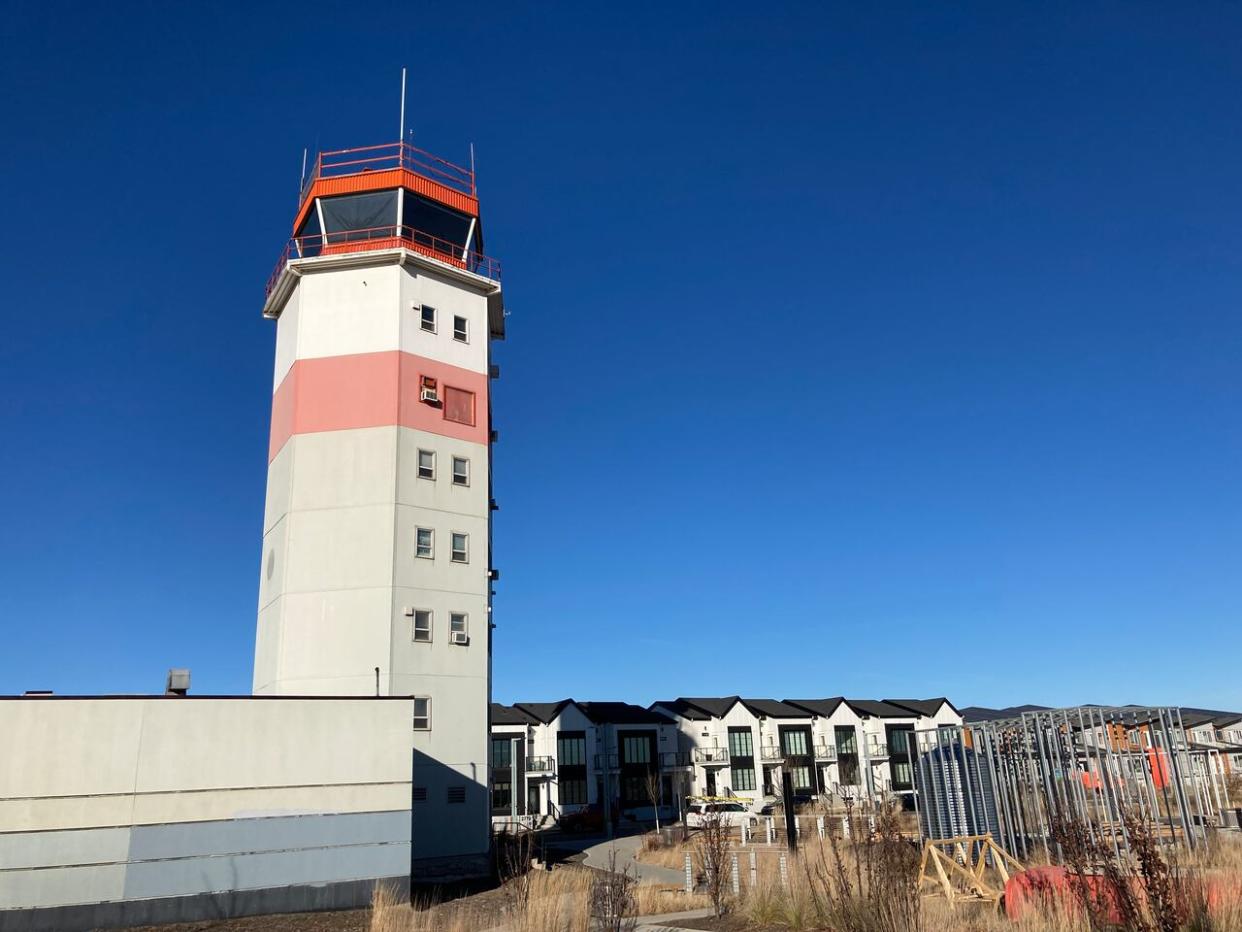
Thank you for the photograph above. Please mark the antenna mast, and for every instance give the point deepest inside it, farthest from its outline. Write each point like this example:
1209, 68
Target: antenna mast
401, 137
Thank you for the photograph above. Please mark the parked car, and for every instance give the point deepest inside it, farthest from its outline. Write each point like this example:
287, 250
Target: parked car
587, 820
731, 814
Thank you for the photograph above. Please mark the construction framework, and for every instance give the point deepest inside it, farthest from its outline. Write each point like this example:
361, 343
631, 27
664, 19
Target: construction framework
1015, 777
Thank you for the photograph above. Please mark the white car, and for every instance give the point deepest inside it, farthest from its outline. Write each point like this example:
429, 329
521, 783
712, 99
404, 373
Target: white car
730, 814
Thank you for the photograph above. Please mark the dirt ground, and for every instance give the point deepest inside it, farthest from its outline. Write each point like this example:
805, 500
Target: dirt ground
487, 902
727, 924
350, 920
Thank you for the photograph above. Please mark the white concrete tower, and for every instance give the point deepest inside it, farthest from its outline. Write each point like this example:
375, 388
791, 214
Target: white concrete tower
376, 572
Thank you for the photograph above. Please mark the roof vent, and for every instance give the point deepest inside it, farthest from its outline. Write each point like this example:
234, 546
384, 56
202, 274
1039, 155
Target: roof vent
178, 682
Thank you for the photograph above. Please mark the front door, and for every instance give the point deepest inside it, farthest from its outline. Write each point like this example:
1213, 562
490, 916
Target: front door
532, 798
711, 783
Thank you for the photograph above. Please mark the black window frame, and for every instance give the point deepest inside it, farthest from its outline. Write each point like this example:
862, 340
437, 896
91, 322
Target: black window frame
740, 764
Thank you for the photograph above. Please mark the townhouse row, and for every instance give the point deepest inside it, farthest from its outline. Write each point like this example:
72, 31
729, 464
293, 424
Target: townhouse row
550, 760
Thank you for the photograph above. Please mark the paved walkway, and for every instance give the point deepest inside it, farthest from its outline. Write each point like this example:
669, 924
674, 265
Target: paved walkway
669, 920
627, 848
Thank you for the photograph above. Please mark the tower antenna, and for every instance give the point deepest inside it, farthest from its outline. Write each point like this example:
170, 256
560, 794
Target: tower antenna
302, 182
401, 137
474, 182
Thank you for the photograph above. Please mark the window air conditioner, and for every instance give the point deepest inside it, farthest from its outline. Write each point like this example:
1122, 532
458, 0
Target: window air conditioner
429, 394
459, 637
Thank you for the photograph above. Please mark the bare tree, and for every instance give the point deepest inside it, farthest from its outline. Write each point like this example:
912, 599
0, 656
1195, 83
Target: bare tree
713, 848
612, 898
651, 783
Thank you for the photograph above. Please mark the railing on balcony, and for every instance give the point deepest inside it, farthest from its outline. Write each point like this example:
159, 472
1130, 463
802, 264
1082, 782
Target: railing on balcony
675, 759
771, 752
877, 749
385, 237
540, 765
386, 157
825, 752
719, 756
607, 761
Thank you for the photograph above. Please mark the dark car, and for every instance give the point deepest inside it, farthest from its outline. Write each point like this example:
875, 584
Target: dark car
590, 819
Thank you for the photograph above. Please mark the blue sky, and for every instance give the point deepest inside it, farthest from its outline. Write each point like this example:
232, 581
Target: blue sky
878, 349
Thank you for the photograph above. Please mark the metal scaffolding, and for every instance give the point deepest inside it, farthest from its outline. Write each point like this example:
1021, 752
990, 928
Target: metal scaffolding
1015, 777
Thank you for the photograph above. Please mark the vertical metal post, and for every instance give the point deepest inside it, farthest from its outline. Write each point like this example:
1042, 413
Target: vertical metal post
1028, 753
689, 876
734, 877
754, 870
513, 783
401, 131
784, 873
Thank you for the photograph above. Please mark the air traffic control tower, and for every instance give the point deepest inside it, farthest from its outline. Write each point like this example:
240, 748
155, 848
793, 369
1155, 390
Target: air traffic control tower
376, 567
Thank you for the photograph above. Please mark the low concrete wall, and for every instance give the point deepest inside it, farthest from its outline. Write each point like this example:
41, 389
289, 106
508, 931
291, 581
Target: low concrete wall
121, 811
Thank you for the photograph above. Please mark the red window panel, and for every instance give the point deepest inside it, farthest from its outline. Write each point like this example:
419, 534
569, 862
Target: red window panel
459, 406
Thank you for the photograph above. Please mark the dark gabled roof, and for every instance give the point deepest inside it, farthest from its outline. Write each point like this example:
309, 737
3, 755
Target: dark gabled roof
978, 713
877, 709
774, 708
927, 707
684, 708
821, 707
508, 715
1194, 717
622, 713
705, 707
545, 712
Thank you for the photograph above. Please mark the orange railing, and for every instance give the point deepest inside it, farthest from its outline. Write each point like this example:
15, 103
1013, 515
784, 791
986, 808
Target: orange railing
388, 156
388, 237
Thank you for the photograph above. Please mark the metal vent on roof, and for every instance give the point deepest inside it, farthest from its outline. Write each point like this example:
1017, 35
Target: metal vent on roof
177, 683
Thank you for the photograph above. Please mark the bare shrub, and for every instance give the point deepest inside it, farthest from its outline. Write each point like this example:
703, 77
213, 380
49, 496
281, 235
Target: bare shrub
612, 902
712, 846
513, 852
881, 892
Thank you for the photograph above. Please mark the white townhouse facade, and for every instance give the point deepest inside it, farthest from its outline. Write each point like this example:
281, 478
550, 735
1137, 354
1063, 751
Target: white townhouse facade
844, 747
552, 759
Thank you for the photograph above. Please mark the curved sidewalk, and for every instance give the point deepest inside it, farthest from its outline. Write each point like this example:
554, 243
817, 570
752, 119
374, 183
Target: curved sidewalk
627, 848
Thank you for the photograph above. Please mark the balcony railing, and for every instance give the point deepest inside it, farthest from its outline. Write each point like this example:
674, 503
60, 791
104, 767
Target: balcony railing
877, 749
670, 759
540, 765
386, 237
825, 752
717, 756
771, 752
386, 157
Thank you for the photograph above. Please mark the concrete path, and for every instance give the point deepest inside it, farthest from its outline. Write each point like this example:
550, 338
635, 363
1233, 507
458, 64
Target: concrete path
668, 921
627, 848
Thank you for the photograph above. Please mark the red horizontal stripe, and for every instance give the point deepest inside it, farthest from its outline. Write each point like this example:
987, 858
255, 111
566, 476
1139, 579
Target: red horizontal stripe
371, 390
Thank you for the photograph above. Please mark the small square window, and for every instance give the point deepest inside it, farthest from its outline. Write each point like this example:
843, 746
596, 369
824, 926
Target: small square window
422, 713
461, 470
458, 622
428, 318
426, 464
424, 540
460, 549
461, 330
456, 794
420, 794
422, 625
